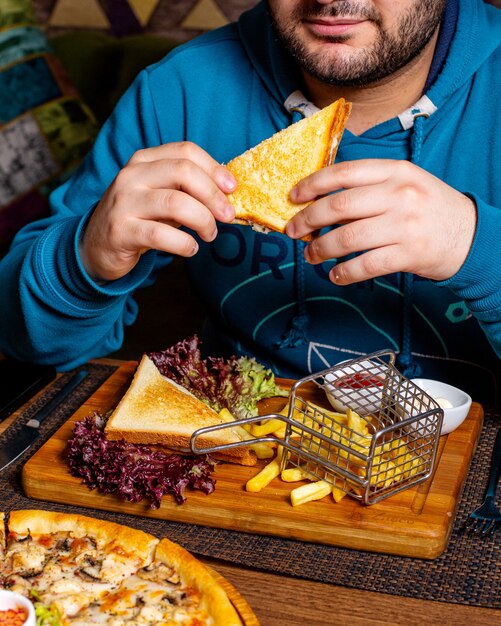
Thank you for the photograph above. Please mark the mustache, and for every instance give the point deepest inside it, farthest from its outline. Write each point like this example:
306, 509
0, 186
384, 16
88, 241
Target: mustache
343, 8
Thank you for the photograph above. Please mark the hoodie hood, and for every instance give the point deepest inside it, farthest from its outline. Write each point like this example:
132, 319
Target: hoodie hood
476, 37
273, 64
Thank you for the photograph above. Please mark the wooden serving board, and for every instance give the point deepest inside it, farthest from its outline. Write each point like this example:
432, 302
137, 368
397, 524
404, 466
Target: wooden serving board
416, 522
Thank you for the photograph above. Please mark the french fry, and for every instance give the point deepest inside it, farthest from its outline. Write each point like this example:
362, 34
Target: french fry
357, 489
340, 417
263, 450
226, 416
383, 449
356, 423
242, 432
398, 448
338, 494
411, 466
309, 492
280, 432
383, 472
266, 428
285, 410
360, 437
280, 453
264, 477
292, 475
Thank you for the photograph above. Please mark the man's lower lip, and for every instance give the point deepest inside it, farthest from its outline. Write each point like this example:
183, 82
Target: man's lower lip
332, 30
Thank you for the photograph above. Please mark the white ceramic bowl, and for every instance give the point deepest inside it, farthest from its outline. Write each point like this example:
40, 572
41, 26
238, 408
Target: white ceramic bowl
11, 600
455, 402
349, 386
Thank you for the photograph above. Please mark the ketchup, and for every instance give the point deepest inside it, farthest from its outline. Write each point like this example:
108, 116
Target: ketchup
13, 617
358, 381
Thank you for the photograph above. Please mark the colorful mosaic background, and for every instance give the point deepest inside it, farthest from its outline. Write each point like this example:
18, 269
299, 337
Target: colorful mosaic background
45, 129
177, 19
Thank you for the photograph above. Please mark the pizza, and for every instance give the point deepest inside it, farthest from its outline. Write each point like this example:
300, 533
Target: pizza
79, 570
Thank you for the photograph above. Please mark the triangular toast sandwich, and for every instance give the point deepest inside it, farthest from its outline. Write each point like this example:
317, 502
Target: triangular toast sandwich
267, 173
157, 411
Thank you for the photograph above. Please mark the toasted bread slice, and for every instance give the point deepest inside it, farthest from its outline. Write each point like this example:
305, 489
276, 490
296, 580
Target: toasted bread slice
267, 173
157, 411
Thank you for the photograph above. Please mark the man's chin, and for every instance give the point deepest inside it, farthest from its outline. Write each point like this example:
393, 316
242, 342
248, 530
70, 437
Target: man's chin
337, 64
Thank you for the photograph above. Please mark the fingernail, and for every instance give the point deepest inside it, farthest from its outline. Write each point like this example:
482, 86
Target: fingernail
290, 229
194, 250
336, 277
213, 235
293, 194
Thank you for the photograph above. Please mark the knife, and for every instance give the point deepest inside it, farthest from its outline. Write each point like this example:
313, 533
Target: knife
29, 433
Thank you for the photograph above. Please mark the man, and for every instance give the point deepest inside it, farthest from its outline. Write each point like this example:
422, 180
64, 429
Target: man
408, 258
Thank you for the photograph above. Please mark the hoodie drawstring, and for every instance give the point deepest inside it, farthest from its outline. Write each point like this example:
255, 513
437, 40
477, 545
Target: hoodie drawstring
405, 360
297, 332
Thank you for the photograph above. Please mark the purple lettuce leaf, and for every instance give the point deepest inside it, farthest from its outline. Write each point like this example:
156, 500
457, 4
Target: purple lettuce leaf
131, 471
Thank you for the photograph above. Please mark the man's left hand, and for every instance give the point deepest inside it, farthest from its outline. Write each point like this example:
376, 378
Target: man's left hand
400, 217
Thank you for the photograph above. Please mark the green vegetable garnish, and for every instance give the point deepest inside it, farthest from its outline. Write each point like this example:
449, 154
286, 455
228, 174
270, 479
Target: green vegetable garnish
45, 615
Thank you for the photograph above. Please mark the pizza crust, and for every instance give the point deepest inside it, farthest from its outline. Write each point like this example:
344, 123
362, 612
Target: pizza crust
194, 574
134, 543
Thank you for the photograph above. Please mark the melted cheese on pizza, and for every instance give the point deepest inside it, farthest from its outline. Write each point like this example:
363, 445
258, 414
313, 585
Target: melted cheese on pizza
143, 602
89, 585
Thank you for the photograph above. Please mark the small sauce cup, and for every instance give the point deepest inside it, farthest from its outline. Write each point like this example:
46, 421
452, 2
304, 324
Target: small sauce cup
357, 386
19, 605
455, 402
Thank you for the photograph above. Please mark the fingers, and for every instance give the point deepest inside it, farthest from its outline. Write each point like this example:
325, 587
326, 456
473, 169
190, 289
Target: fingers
400, 217
371, 264
178, 174
186, 150
157, 236
357, 236
345, 175
173, 207
338, 208
159, 190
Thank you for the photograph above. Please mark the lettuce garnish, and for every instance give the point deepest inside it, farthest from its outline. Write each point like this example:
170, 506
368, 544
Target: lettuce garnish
234, 383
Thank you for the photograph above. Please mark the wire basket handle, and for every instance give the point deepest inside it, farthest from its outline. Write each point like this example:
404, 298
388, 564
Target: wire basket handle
288, 443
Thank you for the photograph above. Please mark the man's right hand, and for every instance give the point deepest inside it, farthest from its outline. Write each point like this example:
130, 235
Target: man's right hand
159, 190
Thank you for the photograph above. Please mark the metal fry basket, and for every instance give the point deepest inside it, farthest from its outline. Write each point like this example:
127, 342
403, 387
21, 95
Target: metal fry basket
379, 437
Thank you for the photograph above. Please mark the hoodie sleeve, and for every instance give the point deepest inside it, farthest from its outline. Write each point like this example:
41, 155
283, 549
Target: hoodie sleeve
478, 282
53, 312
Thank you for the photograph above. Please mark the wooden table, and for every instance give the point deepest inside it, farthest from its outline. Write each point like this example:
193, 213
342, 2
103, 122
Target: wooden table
285, 601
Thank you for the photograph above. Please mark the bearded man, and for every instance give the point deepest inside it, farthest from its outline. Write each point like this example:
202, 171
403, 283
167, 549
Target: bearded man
409, 215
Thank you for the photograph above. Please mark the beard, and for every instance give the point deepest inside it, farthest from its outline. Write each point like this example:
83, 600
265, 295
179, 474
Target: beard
389, 52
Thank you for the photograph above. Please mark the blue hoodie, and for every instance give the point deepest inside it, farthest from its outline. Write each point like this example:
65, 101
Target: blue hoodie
226, 92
